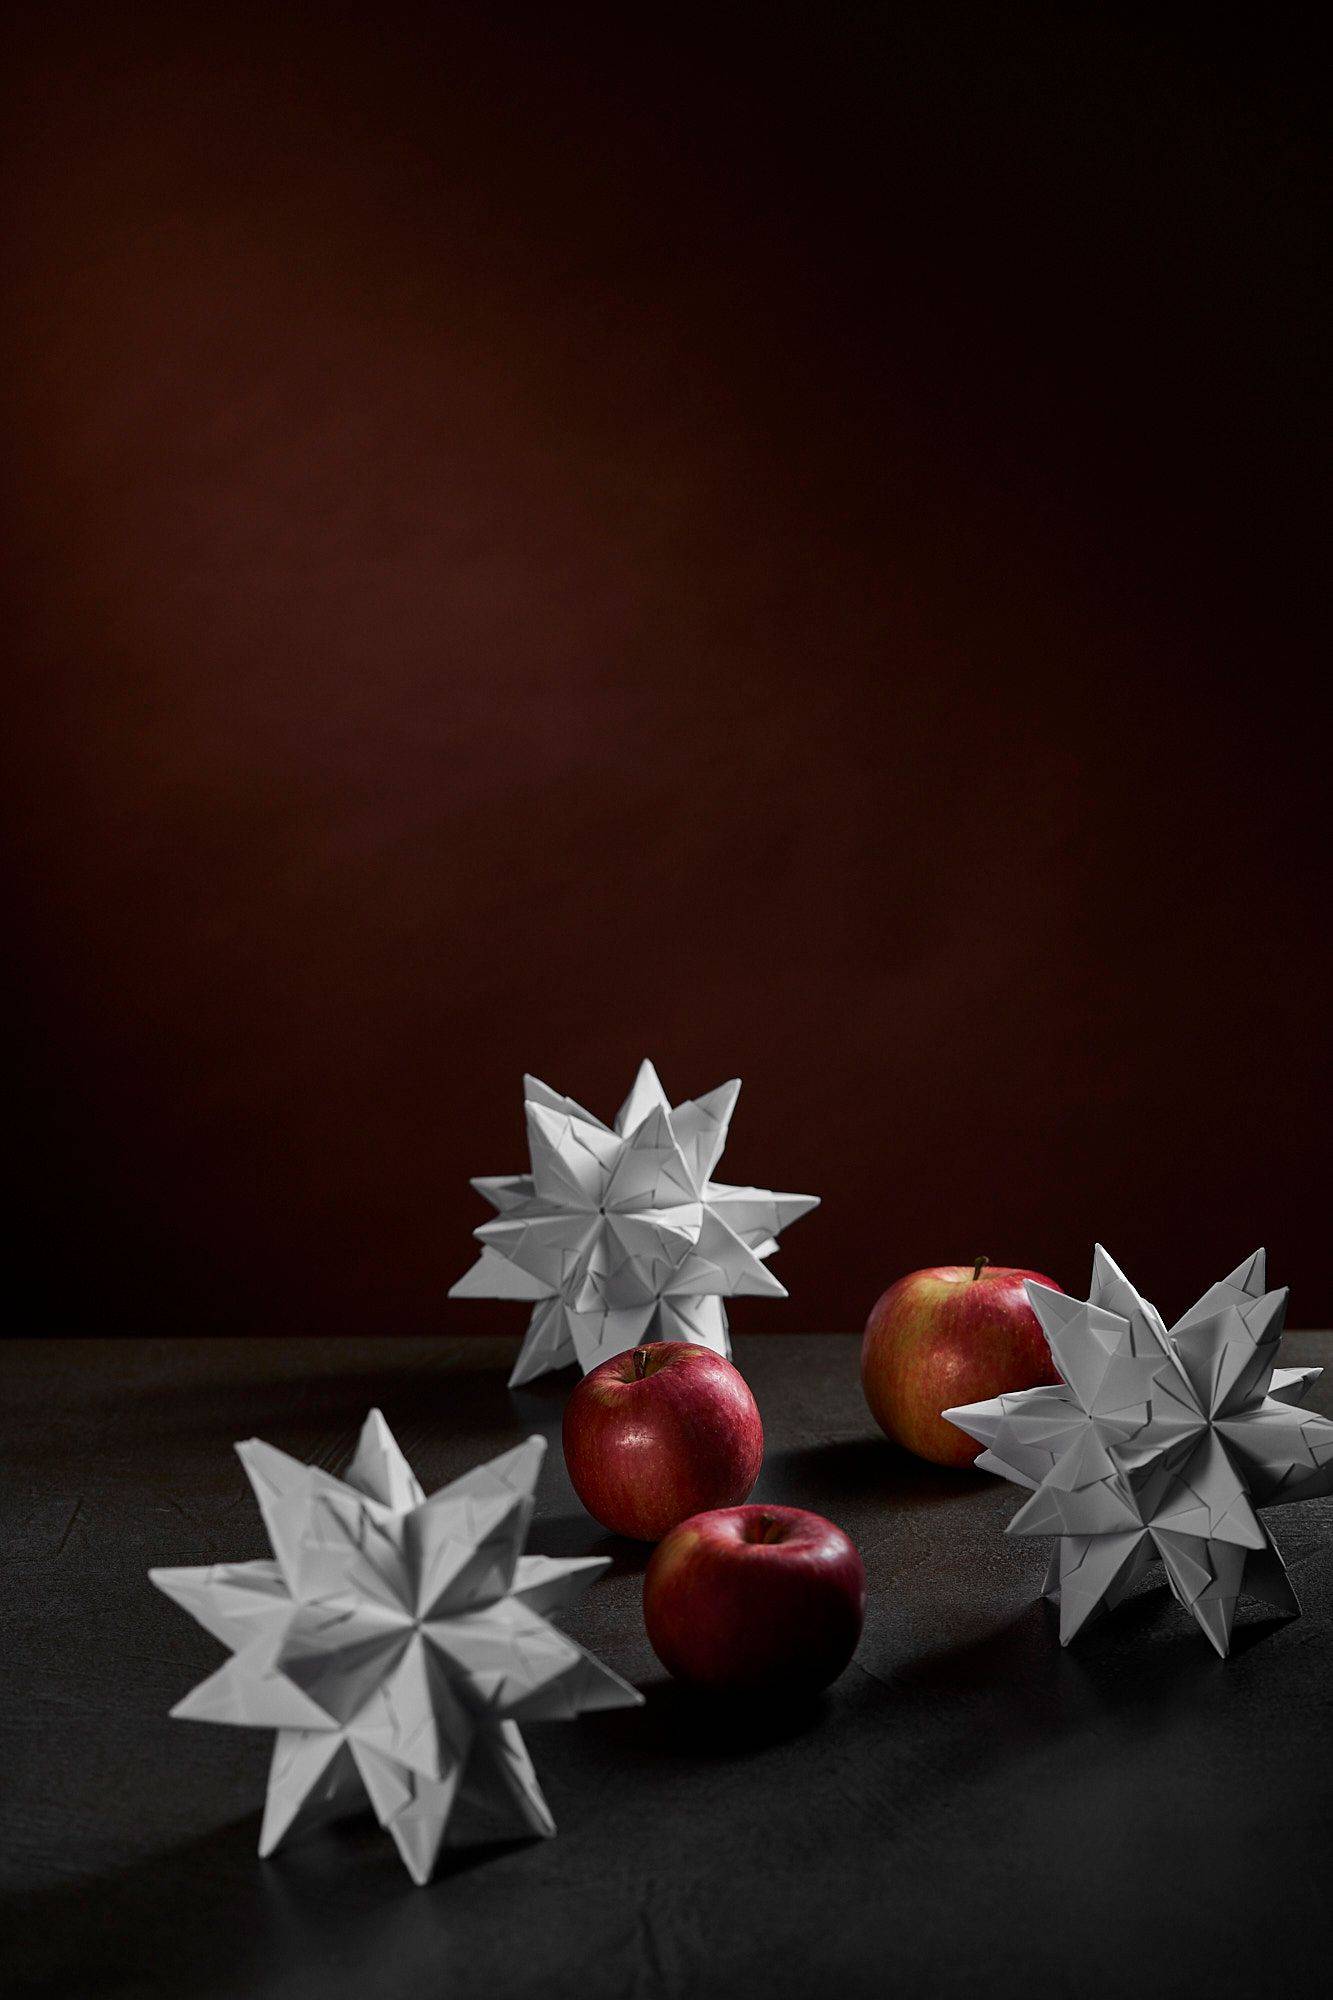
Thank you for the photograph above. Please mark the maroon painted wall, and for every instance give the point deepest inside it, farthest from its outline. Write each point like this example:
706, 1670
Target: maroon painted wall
784, 542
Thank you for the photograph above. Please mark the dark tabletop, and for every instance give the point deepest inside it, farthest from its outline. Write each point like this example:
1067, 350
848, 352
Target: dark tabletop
970, 1810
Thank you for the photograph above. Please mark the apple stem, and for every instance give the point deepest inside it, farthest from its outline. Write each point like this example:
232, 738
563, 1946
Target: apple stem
979, 1267
640, 1363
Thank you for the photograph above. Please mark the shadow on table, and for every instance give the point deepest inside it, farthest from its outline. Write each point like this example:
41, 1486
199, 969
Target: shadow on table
322, 1412
683, 1724
1147, 1650
579, 1535
861, 1469
334, 1912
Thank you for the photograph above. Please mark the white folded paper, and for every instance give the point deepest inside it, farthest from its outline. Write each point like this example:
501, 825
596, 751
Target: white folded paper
619, 1233
395, 1644
1159, 1444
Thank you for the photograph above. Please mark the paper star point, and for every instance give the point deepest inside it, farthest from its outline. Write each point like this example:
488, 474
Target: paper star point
619, 1233
395, 1643
1159, 1444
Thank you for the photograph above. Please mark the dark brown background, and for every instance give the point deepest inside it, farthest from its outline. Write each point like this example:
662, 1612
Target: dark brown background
787, 541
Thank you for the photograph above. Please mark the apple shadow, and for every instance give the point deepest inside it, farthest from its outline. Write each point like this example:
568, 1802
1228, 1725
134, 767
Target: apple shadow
685, 1724
580, 1535
858, 1469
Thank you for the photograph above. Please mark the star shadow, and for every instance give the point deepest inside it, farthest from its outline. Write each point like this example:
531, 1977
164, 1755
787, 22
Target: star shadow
209, 1919
1134, 1653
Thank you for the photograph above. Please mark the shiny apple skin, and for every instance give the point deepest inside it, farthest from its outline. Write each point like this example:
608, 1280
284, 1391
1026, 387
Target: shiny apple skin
756, 1598
941, 1337
646, 1449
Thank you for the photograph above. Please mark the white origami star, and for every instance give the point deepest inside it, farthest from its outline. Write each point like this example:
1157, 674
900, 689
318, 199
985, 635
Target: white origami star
395, 1645
618, 1231
1159, 1444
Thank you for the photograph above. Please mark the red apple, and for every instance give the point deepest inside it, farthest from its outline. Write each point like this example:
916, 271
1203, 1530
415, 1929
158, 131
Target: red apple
763, 1598
957, 1333
660, 1432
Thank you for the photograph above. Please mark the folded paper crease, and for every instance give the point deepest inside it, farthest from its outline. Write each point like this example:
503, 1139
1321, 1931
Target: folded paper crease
619, 1233
395, 1644
1158, 1445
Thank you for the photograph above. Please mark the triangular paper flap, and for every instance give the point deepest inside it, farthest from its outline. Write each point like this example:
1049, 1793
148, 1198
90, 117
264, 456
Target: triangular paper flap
584, 1685
331, 1544
1284, 1452
700, 1126
1054, 1309
701, 1320
379, 1469
1266, 1578
1251, 1276
507, 1653
599, 1336
500, 1797
503, 1191
1186, 1559
548, 1343
550, 1248
522, 1669
413, 1808
758, 1215
1292, 1385
979, 1420
464, 1548
651, 1172
1245, 1368
274, 1475
646, 1094
1037, 1429
1200, 1341
1098, 1507
537, 1092
986, 1461
721, 1265
1082, 1342
617, 1247
1085, 1462
236, 1602
1113, 1290
1237, 1291
1263, 1317
1043, 1514
248, 1692
514, 1471
494, 1277
572, 1161
337, 1653
414, 1717
547, 1583
389, 1785
1214, 1608
1189, 1515
1177, 1427
1090, 1572
637, 1257
353, 1667
1208, 1499
312, 1779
